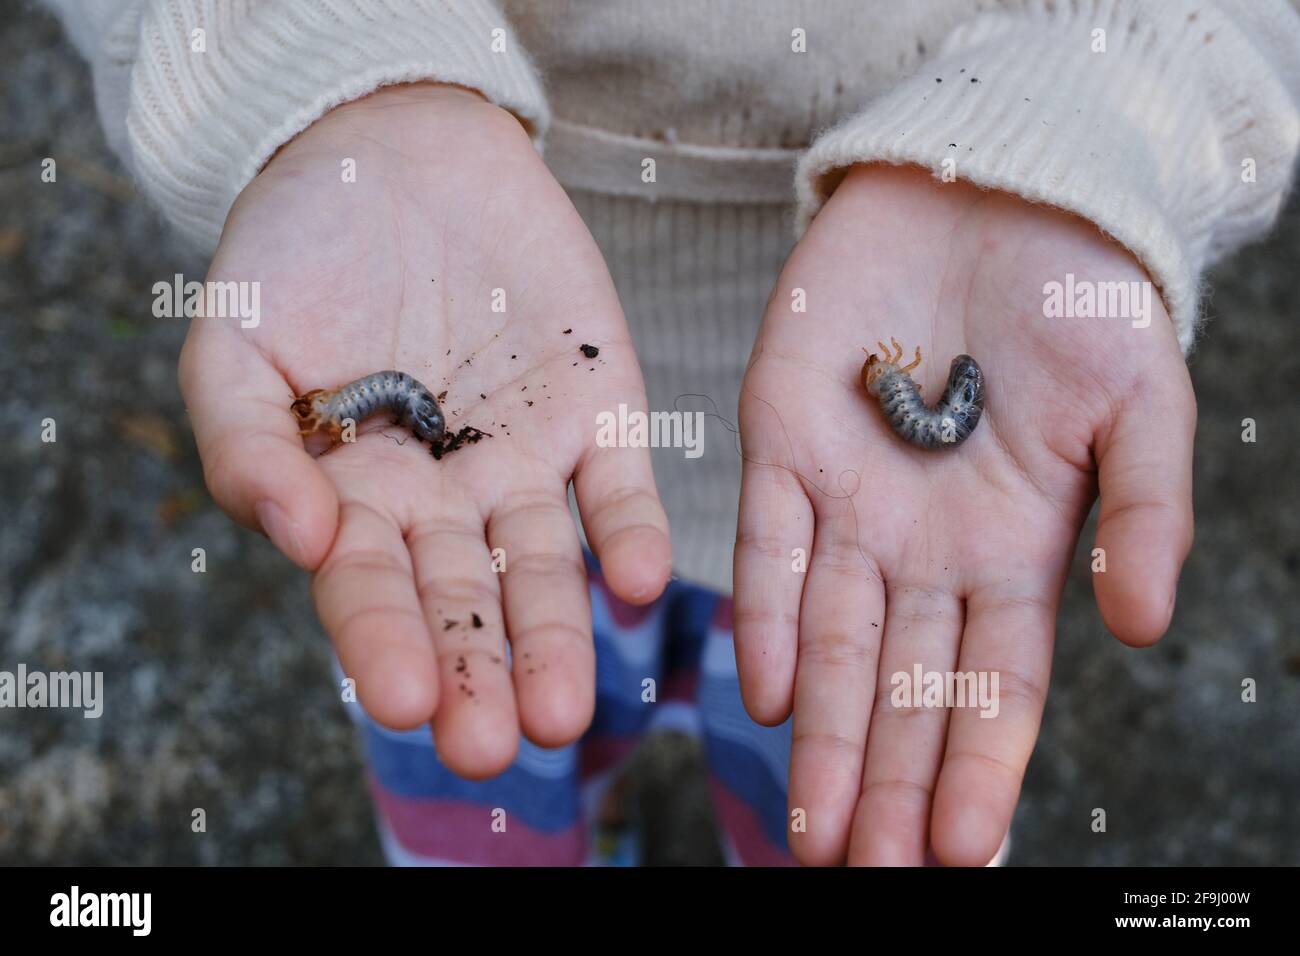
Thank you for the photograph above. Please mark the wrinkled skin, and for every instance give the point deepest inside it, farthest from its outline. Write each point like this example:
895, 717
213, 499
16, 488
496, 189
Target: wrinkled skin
953, 559
396, 271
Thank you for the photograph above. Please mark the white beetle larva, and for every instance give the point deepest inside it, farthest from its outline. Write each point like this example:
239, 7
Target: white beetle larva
948, 423
415, 408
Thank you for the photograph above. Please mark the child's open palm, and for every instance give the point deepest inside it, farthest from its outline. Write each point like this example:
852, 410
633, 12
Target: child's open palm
951, 559
454, 256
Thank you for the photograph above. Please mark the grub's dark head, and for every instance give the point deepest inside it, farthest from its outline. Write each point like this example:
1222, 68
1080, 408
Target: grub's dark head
873, 369
966, 380
310, 410
426, 420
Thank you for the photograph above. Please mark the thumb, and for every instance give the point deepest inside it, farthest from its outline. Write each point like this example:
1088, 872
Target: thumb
1145, 525
254, 462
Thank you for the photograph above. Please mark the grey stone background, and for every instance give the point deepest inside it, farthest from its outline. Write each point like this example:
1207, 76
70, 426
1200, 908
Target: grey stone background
218, 687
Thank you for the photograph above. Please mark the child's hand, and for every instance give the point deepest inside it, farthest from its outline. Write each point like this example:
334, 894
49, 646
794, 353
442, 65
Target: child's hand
950, 559
450, 211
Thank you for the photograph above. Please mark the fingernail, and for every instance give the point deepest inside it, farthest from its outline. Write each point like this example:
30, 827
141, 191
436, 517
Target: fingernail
282, 532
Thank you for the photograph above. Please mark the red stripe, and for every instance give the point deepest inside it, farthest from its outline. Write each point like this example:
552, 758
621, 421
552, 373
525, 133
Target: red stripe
746, 833
626, 616
597, 754
722, 615
461, 832
680, 686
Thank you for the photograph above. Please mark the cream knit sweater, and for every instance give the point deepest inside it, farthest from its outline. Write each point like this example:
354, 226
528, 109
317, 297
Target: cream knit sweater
1172, 124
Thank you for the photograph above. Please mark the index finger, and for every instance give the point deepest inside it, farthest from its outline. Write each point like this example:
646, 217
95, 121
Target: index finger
366, 597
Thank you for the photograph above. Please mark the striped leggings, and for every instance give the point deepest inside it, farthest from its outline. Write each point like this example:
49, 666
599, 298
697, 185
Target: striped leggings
540, 811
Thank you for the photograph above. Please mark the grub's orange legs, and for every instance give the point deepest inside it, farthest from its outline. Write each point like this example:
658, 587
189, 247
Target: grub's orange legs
915, 362
897, 356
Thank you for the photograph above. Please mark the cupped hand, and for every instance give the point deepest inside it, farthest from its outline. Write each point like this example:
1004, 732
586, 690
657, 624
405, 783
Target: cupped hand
953, 559
417, 229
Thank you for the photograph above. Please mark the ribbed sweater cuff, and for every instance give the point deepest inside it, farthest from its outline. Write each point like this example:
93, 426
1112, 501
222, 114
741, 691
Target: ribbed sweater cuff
1145, 139
202, 124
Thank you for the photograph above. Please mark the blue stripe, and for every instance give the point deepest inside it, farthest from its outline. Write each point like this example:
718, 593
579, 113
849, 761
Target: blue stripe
548, 804
745, 774
687, 623
617, 717
406, 765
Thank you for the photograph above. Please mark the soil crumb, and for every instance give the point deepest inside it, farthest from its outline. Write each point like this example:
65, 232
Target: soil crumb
468, 435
